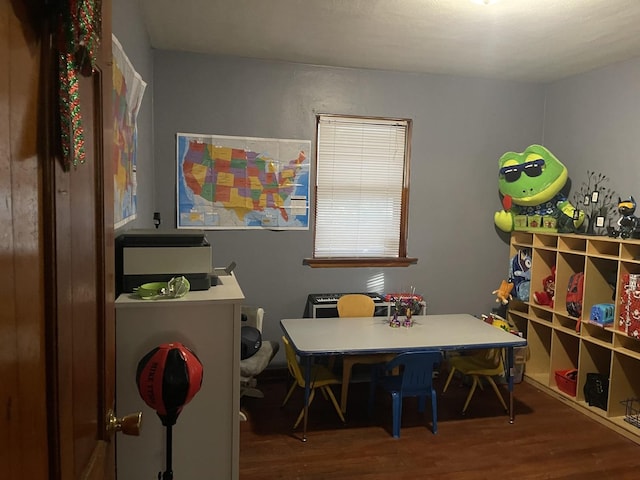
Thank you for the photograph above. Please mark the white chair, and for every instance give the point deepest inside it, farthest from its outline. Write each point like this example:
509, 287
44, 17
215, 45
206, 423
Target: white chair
251, 367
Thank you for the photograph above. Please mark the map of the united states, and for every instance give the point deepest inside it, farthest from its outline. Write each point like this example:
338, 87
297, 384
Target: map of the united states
231, 186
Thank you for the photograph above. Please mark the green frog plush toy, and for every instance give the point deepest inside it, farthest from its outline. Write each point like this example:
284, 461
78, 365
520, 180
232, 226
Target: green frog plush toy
531, 184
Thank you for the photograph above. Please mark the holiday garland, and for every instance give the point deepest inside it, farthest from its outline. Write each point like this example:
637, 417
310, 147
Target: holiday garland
79, 29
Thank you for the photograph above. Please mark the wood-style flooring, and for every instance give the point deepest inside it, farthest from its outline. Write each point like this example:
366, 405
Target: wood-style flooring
548, 440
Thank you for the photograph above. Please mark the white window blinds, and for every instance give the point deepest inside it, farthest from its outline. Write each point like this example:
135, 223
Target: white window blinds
360, 178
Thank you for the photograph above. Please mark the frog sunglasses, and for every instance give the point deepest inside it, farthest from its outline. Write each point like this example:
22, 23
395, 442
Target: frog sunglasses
512, 173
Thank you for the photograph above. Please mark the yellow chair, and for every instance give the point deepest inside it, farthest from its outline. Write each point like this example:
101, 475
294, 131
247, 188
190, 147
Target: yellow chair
482, 364
321, 377
356, 305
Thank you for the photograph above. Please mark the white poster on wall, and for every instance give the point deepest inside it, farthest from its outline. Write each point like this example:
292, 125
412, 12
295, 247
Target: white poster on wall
128, 90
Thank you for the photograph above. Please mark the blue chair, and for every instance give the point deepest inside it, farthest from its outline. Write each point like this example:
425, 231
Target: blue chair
415, 380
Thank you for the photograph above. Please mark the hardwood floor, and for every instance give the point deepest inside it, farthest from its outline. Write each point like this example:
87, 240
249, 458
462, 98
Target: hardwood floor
549, 440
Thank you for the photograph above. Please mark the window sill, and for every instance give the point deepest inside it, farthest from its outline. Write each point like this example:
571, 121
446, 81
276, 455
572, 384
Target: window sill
354, 262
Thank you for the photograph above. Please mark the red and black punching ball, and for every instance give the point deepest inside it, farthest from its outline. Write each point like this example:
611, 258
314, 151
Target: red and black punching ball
168, 377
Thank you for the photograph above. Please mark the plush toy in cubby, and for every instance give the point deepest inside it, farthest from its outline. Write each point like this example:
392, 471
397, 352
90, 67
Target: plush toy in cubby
545, 297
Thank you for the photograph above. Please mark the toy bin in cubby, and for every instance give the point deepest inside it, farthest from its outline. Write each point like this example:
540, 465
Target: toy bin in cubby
632, 414
520, 355
567, 380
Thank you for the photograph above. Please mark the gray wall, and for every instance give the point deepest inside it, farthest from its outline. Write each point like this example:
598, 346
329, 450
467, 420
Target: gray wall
592, 122
460, 128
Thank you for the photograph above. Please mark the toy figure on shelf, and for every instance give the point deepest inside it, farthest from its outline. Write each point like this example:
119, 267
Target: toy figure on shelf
531, 184
628, 223
520, 274
545, 297
503, 293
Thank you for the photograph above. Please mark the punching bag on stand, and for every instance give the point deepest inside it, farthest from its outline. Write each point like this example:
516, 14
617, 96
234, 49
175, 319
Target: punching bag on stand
168, 378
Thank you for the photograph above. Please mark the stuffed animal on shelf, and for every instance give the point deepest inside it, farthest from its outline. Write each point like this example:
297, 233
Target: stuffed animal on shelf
520, 274
531, 184
503, 293
628, 223
545, 297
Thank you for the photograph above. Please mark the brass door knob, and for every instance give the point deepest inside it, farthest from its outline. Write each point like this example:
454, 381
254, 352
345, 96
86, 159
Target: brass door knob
129, 424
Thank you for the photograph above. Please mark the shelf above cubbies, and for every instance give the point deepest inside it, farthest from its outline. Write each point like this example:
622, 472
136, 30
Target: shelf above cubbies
629, 266
541, 313
567, 330
597, 341
628, 353
522, 239
565, 323
567, 263
572, 244
603, 247
630, 252
626, 345
541, 321
518, 306
545, 241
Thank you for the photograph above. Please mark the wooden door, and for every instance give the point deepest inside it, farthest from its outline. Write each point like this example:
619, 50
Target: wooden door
81, 228
57, 262
23, 403
83, 298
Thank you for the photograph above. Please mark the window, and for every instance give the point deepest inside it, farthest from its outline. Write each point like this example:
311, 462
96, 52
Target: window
362, 191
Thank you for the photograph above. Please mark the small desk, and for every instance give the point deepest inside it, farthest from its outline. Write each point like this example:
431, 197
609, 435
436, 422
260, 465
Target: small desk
311, 337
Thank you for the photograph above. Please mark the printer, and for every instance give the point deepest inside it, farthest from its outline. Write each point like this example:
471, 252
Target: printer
144, 256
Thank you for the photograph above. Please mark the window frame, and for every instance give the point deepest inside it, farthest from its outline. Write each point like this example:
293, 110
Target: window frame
402, 260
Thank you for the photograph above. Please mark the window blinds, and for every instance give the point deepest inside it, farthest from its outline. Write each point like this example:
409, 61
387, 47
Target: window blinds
359, 186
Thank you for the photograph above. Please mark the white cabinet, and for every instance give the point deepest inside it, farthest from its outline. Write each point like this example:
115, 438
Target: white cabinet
206, 435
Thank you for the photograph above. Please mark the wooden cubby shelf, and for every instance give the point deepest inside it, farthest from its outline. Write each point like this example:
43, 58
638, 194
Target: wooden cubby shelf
559, 342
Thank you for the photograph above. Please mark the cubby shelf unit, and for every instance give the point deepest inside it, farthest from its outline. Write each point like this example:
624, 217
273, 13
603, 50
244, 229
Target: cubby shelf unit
558, 341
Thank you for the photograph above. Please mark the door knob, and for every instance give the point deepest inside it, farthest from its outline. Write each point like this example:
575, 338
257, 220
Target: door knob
129, 424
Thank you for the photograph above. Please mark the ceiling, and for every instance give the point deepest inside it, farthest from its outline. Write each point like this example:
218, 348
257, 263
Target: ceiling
527, 40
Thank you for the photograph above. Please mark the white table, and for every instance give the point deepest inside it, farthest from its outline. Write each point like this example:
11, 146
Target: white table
312, 337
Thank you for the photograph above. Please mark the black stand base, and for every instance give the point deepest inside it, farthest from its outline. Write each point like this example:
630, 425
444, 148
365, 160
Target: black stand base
168, 474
